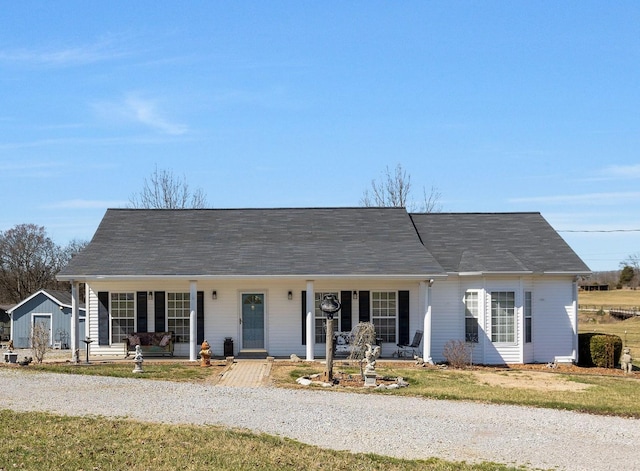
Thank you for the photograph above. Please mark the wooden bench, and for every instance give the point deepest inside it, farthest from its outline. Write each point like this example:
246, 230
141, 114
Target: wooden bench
151, 343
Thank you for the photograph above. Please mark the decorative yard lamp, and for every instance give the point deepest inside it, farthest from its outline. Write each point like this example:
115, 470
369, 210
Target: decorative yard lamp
329, 305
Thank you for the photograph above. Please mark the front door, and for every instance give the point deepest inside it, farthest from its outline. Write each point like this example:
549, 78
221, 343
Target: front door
253, 321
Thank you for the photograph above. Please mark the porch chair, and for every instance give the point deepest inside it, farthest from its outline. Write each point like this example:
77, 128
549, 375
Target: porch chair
410, 350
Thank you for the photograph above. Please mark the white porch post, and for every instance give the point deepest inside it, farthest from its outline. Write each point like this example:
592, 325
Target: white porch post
193, 321
75, 322
310, 320
425, 289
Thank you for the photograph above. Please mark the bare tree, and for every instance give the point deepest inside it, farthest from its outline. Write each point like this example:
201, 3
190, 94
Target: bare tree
632, 262
431, 201
394, 190
165, 191
39, 341
29, 261
364, 333
74, 247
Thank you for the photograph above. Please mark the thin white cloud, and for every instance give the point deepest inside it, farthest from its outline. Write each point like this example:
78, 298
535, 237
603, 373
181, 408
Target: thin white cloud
32, 169
623, 171
99, 51
146, 112
102, 141
19, 166
591, 198
139, 110
86, 204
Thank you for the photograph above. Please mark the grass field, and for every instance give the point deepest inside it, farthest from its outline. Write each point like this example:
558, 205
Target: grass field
37, 441
625, 298
593, 321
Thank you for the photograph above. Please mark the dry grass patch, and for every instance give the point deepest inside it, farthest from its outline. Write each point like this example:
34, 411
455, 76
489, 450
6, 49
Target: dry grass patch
614, 298
536, 380
157, 370
592, 390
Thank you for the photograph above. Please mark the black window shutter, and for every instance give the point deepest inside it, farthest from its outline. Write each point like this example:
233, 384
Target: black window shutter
403, 317
159, 311
103, 318
364, 306
200, 316
345, 311
141, 311
304, 317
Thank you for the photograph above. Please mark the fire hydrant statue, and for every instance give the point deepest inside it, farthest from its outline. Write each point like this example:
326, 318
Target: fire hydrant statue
205, 354
625, 361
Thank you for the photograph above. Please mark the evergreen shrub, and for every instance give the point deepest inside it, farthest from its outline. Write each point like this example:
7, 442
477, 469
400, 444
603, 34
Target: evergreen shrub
601, 350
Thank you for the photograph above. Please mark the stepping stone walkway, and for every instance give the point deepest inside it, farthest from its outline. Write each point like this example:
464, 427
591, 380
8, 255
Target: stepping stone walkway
246, 374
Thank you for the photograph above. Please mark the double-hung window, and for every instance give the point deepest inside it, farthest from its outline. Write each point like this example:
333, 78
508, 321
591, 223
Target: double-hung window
321, 317
384, 314
503, 316
178, 313
471, 310
123, 318
528, 315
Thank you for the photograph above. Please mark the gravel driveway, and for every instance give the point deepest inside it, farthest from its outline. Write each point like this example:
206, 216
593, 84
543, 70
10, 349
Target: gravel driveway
388, 425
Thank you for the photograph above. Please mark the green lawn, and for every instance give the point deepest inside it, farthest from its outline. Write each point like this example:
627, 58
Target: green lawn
38, 441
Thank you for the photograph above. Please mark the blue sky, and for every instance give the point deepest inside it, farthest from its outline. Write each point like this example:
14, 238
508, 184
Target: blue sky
503, 106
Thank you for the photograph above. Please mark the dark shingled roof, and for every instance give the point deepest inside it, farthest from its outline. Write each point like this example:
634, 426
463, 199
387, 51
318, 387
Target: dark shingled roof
496, 242
63, 297
254, 242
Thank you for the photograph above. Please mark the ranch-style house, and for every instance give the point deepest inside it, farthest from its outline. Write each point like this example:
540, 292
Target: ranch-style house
252, 280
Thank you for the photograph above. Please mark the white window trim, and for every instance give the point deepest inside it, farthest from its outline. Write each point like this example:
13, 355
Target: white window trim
478, 318
396, 315
489, 295
111, 317
186, 297
529, 316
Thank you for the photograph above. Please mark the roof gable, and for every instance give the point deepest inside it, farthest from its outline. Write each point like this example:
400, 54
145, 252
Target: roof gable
496, 242
61, 298
254, 242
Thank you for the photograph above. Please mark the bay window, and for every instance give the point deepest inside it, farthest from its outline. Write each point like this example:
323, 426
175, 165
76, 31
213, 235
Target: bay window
503, 316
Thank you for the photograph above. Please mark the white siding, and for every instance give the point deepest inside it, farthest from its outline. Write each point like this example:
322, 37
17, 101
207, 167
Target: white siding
553, 323
447, 316
553, 327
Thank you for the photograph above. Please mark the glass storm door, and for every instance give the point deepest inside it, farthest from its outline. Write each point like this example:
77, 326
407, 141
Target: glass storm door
253, 321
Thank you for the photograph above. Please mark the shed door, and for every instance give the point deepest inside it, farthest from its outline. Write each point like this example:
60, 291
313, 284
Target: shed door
45, 322
253, 321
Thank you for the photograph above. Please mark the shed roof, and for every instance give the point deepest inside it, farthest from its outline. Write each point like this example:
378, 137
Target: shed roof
138, 243
61, 298
496, 242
